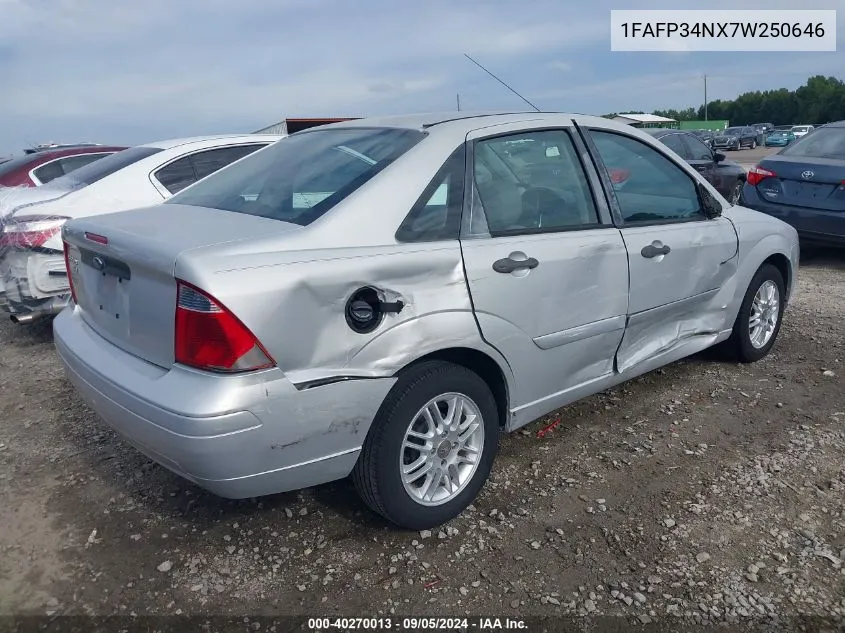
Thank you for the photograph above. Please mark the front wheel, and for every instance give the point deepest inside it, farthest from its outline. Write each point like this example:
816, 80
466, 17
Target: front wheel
758, 323
431, 446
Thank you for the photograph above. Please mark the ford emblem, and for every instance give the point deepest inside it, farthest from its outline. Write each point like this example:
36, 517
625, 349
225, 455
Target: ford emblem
98, 262
807, 175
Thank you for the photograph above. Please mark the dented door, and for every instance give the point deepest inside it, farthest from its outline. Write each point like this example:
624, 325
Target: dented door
678, 257
548, 279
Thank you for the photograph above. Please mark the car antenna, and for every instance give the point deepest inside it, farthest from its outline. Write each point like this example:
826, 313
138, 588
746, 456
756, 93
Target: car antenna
502, 82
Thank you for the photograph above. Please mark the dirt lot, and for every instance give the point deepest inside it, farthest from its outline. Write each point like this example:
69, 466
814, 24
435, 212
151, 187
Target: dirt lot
750, 157
706, 491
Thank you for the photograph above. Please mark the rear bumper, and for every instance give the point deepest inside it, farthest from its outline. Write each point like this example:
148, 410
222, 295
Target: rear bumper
237, 436
815, 225
32, 282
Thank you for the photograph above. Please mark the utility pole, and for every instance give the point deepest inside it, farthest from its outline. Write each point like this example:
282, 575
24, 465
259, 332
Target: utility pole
458, 97
705, 96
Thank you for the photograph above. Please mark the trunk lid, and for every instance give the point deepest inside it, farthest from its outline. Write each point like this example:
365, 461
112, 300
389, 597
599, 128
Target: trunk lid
122, 266
14, 198
816, 183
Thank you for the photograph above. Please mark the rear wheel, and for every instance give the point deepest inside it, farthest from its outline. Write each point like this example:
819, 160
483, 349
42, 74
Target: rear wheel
758, 323
754, 144
736, 192
431, 446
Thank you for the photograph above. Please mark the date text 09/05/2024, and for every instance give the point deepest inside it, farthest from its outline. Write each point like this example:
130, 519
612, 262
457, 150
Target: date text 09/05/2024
416, 624
722, 29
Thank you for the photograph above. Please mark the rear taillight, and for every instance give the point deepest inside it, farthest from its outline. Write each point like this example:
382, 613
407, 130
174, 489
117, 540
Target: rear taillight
210, 337
69, 271
30, 231
757, 174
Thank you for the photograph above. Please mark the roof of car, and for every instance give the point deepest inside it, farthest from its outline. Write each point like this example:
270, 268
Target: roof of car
177, 142
466, 120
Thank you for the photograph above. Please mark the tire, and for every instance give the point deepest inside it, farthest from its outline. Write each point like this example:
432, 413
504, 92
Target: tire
377, 476
754, 144
740, 345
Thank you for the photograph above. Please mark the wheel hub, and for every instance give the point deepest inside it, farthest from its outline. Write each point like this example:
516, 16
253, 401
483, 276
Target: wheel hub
441, 449
444, 449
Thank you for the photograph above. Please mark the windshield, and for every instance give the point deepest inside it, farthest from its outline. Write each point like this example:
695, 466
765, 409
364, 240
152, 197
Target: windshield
300, 178
826, 142
734, 130
99, 169
800, 128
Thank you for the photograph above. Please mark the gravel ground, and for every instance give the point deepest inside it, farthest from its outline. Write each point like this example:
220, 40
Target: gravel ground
750, 157
700, 493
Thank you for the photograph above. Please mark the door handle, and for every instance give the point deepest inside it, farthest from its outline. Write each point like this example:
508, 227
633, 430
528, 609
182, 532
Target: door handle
653, 251
508, 265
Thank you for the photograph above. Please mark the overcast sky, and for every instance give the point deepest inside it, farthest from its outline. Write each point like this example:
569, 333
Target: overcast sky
118, 72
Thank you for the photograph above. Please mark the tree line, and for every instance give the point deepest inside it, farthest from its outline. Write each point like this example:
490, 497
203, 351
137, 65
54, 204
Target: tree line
820, 100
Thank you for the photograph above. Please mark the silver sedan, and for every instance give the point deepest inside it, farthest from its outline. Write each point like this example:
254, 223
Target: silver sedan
383, 297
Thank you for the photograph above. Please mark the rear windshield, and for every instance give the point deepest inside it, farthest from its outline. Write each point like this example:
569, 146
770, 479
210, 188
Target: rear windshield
301, 177
99, 169
825, 142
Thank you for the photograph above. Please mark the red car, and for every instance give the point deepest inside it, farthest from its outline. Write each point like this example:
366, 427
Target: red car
39, 168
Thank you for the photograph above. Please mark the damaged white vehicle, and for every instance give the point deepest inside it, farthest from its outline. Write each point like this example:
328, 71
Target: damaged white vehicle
33, 280
382, 297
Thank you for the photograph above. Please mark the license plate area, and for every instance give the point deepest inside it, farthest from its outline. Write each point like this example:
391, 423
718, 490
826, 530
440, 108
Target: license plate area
104, 292
809, 190
111, 297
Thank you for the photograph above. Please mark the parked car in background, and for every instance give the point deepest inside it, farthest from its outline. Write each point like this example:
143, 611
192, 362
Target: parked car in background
41, 147
383, 297
37, 168
726, 176
784, 127
735, 138
802, 130
804, 185
779, 138
763, 127
33, 281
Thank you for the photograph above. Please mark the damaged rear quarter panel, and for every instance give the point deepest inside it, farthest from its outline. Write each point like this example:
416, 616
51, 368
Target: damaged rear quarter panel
295, 305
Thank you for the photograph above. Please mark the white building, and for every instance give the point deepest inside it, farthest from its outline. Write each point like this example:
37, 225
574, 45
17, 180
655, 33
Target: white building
646, 120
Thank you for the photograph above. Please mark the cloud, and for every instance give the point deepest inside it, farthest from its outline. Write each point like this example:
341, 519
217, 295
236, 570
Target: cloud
135, 72
559, 65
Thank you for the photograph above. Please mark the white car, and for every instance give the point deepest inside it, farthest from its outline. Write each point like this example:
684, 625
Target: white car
802, 130
33, 279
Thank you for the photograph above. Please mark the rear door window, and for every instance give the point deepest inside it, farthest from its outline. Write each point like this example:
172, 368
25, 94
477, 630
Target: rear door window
676, 143
698, 150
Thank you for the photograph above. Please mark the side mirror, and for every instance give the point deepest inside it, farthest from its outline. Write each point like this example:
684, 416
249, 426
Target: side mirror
718, 157
711, 207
